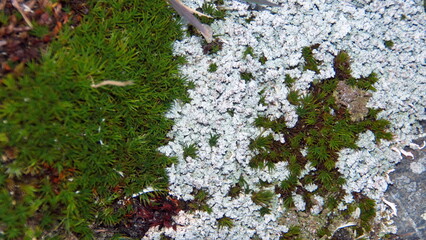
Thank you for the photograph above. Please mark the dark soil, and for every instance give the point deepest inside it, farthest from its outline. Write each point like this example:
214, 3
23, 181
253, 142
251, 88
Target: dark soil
22, 38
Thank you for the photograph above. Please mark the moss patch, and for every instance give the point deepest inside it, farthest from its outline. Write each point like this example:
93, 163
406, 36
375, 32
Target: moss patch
80, 150
326, 125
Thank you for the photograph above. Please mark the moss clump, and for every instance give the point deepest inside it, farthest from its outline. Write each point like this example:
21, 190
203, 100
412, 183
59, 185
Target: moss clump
200, 201
211, 10
213, 140
246, 76
213, 47
190, 151
289, 81
225, 222
293, 233
263, 59
240, 186
262, 198
310, 62
212, 67
80, 150
248, 51
389, 44
342, 65
325, 126
368, 212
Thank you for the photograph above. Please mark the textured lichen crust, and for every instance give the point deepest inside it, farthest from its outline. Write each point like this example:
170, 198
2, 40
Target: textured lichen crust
277, 126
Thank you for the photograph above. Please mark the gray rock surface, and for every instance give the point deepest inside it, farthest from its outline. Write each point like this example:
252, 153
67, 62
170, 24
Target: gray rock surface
409, 194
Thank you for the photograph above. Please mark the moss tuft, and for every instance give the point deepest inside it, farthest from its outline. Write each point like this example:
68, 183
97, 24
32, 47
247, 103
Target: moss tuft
190, 151
248, 51
262, 198
310, 62
225, 222
212, 67
389, 44
246, 76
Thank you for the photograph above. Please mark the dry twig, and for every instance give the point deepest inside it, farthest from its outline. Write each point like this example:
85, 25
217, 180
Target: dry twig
17, 5
113, 83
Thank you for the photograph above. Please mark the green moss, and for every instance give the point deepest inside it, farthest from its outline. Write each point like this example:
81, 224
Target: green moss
213, 140
246, 76
212, 67
289, 81
264, 210
293, 233
263, 59
106, 138
262, 198
323, 232
213, 47
368, 212
342, 66
225, 222
288, 202
389, 43
293, 97
249, 51
3, 18
211, 10
364, 83
250, 18
200, 201
190, 151
310, 62
240, 186
231, 112
39, 30
324, 128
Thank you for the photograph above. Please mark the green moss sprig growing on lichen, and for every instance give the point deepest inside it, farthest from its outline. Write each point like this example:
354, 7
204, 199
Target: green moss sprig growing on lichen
240, 186
211, 10
389, 44
326, 125
246, 76
212, 67
248, 51
310, 62
190, 151
213, 140
262, 198
293, 233
200, 201
263, 59
225, 222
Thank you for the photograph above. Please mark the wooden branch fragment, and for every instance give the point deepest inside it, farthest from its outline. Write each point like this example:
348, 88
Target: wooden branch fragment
113, 83
16, 5
187, 13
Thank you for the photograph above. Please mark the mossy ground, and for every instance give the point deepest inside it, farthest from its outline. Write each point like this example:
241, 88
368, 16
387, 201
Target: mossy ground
325, 126
74, 150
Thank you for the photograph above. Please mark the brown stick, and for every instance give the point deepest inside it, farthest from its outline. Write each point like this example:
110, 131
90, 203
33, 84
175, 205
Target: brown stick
113, 83
16, 5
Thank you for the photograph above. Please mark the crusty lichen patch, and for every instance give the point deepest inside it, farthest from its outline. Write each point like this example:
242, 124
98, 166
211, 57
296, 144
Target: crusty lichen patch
331, 115
354, 99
